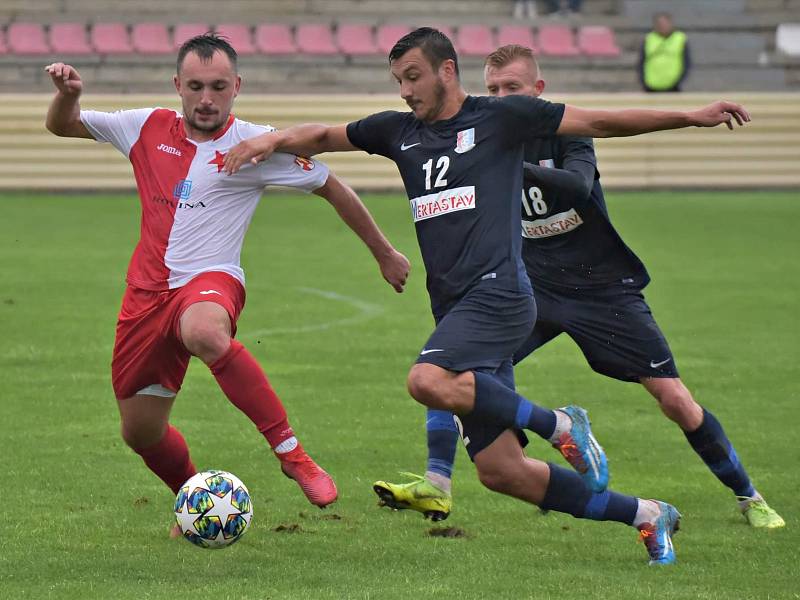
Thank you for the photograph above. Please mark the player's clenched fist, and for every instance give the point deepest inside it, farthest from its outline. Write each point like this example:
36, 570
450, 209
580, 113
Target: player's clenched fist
395, 268
66, 78
253, 150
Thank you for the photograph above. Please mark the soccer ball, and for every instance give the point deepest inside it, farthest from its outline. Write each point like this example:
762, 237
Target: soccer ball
213, 509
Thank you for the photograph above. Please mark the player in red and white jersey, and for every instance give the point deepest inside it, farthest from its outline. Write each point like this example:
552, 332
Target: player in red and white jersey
185, 284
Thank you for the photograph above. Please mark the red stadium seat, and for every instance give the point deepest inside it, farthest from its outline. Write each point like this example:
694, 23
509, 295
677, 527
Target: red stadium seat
387, 35
151, 38
516, 34
475, 40
111, 38
557, 40
355, 38
69, 38
239, 37
186, 31
597, 40
275, 39
27, 38
315, 39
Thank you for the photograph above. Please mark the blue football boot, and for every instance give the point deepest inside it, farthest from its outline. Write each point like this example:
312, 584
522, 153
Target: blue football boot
582, 451
657, 537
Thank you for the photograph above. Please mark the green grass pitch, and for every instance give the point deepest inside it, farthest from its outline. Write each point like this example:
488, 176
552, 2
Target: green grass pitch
83, 518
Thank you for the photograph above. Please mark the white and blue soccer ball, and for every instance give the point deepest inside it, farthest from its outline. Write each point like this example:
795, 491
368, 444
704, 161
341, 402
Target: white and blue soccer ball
213, 509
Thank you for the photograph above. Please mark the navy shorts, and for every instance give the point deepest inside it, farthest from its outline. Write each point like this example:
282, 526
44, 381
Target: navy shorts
481, 331
613, 327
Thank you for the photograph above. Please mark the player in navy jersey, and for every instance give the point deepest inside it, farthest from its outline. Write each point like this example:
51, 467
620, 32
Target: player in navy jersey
459, 157
587, 284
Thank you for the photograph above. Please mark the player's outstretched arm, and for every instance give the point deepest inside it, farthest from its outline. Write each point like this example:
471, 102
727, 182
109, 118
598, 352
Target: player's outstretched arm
393, 265
574, 182
620, 123
64, 113
306, 140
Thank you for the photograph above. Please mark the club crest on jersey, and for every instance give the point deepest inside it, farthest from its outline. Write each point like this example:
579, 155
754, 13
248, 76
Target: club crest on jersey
182, 189
465, 140
304, 163
218, 160
547, 163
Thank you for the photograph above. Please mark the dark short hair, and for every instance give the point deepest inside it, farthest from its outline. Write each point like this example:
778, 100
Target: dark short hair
204, 46
435, 46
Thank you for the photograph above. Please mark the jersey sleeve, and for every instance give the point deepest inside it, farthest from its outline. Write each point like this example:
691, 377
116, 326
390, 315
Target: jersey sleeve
525, 117
120, 128
376, 133
572, 180
578, 150
298, 172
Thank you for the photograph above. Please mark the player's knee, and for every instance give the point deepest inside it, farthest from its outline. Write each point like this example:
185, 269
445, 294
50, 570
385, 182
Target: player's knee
139, 436
207, 341
677, 404
424, 387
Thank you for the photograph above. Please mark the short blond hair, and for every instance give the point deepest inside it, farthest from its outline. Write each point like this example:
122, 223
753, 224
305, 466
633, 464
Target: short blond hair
505, 55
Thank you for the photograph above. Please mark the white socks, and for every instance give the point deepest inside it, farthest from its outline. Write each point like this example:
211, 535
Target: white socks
439, 480
286, 445
647, 512
563, 424
744, 502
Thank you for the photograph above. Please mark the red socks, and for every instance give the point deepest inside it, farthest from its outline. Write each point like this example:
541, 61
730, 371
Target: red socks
247, 387
169, 459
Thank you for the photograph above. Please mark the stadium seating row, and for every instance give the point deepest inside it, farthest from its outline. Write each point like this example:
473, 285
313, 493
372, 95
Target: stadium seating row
281, 39
765, 154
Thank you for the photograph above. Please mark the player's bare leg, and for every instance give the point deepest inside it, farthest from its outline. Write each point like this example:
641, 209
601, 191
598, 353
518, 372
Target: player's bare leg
675, 401
205, 329
504, 468
144, 421
707, 437
485, 395
206, 332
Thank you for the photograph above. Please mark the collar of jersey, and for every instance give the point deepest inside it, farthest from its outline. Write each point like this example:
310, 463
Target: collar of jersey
447, 122
182, 130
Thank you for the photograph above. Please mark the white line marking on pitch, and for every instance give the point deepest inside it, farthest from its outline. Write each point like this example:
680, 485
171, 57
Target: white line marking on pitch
367, 311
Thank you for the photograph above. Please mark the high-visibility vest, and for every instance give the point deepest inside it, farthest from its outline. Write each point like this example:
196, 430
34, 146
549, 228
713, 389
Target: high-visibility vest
663, 60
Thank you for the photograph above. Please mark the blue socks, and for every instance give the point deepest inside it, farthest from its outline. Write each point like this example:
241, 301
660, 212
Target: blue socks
567, 493
714, 447
442, 440
497, 402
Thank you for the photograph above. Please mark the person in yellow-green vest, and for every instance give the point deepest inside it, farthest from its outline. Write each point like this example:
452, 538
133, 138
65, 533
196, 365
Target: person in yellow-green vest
664, 58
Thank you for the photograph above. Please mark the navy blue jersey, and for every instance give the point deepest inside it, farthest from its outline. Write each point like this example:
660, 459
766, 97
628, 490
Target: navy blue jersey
462, 177
569, 241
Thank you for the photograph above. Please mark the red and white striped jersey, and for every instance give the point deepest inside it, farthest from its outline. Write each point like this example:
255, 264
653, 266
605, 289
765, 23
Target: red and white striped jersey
194, 215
